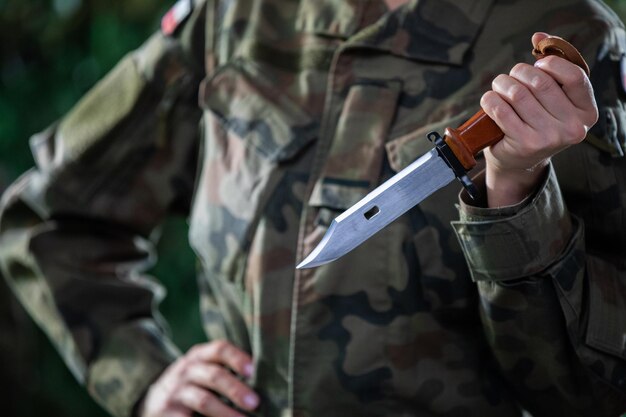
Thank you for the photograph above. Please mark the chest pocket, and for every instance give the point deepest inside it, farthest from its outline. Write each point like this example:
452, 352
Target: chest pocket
353, 165
251, 129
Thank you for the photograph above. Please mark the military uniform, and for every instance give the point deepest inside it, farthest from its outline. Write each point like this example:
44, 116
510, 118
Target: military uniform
262, 120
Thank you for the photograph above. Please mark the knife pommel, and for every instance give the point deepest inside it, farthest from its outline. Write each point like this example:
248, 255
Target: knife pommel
480, 131
553, 45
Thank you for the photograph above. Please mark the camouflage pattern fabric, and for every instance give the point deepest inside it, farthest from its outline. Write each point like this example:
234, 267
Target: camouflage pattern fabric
262, 120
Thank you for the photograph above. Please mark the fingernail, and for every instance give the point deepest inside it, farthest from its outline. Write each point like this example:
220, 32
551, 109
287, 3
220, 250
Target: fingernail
248, 369
251, 401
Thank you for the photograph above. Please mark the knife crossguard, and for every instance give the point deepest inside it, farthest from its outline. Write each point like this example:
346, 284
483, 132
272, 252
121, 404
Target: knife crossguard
480, 131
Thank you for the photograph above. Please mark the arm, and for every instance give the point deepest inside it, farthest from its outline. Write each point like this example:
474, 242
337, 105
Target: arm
545, 288
77, 231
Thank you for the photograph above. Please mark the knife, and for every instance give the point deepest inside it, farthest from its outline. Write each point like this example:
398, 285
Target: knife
451, 157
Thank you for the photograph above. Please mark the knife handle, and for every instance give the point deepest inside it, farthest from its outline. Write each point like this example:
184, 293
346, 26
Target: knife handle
480, 131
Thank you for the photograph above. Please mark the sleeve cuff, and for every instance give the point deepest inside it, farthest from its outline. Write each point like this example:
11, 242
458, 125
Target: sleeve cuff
126, 366
517, 241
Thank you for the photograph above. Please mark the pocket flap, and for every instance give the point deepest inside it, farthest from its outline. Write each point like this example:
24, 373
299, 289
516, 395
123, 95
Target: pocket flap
256, 110
353, 165
405, 149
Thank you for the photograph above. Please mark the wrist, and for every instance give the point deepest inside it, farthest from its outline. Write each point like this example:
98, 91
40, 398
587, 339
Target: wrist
508, 187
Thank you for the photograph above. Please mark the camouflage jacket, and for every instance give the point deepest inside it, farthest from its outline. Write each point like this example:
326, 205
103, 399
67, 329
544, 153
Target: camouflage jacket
261, 120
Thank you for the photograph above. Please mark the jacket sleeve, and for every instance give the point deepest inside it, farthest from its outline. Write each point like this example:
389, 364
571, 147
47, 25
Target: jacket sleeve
550, 271
77, 230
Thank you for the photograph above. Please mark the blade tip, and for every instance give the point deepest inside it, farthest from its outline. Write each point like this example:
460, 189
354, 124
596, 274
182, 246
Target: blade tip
319, 255
309, 263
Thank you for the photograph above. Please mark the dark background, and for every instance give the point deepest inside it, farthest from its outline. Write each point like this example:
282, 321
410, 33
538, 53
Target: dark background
51, 52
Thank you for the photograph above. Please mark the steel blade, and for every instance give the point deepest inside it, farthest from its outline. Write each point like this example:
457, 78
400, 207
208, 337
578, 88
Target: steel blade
380, 207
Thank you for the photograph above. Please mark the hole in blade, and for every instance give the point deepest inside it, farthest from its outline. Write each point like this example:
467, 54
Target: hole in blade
371, 212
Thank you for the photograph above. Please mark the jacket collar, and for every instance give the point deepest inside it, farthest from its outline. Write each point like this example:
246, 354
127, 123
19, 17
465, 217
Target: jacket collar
338, 18
433, 30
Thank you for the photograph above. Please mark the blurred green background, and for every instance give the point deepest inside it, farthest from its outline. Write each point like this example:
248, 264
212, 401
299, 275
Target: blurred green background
51, 52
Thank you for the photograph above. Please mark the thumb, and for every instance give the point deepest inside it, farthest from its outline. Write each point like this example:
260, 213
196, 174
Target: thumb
538, 37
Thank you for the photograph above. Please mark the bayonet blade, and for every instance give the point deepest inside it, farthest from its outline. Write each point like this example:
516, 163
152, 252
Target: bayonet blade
452, 157
380, 207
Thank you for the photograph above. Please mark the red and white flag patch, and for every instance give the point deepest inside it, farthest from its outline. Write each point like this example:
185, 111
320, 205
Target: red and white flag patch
175, 16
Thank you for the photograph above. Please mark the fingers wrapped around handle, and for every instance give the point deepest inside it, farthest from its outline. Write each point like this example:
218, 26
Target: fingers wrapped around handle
480, 131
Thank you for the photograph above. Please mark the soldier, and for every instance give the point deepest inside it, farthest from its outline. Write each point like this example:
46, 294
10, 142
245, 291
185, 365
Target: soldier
262, 120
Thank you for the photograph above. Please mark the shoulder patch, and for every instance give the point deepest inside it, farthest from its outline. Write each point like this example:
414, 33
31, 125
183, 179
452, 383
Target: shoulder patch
175, 16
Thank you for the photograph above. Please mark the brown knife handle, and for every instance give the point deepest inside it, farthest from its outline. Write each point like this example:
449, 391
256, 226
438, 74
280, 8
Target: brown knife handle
480, 131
